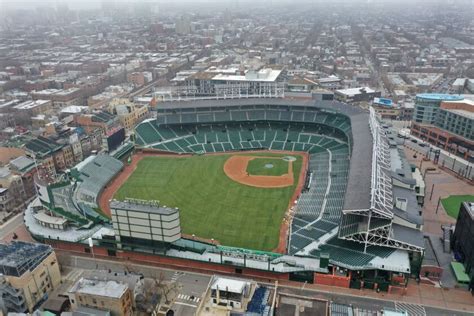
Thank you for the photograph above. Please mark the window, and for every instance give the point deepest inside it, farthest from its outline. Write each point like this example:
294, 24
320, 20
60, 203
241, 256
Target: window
94, 301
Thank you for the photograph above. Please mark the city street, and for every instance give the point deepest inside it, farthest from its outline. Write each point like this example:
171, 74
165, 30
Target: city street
9, 227
195, 284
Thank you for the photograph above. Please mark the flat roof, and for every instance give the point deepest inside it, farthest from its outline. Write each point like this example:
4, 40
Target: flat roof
19, 253
264, 75
53, 220
229, 285
355, 91
110, 288
145, 207
27, 105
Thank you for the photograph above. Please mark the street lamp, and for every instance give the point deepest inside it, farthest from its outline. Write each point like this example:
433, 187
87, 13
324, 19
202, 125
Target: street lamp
91, 245
194, 237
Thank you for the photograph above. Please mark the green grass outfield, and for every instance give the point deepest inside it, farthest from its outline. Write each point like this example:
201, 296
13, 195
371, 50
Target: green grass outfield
211, 204
257, 167
452, 203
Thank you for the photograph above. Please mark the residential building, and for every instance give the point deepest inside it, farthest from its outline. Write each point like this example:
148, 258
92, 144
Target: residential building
113, 296
96, 120
60, 97
28, 273
128, 112
12, 191
33, 107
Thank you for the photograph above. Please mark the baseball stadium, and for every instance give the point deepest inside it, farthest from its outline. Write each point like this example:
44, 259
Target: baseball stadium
314, 191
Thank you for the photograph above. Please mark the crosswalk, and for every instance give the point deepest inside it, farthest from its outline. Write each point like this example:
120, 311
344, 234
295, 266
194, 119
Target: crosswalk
190, 298
412, 309
176, 276
73, 275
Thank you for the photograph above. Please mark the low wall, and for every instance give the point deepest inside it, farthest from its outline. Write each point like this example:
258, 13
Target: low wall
169, 262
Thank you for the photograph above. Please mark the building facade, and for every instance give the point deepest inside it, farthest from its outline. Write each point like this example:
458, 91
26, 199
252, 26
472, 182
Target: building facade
145, 222
463, 239
446, 121
112, 296
29, 272
364, 94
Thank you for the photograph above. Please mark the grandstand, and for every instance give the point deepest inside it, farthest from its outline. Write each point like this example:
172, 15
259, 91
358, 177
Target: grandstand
76, 200
324, 134
347, 163
93, 174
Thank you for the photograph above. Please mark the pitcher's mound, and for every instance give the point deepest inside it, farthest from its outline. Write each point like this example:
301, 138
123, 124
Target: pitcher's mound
236, 168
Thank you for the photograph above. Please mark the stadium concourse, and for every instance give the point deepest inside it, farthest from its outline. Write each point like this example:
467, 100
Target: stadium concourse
356, 222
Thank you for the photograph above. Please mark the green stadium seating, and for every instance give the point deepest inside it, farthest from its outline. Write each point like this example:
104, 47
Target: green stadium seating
254, 129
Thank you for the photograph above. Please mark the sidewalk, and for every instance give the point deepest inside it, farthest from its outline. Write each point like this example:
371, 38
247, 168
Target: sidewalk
445, 184
21, 232
421, 294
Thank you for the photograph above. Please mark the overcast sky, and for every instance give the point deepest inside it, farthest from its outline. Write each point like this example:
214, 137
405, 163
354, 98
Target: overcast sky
92, 4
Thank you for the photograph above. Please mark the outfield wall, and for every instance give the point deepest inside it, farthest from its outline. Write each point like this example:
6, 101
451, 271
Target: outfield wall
167, 262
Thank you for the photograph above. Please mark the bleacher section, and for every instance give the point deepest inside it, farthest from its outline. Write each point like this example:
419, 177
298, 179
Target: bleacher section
324, 135
94, 174
77, 200
351, 254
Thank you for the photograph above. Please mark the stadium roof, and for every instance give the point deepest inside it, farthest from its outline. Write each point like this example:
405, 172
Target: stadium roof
408, 235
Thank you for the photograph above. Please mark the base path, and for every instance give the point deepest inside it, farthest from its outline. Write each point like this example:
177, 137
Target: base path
236, 168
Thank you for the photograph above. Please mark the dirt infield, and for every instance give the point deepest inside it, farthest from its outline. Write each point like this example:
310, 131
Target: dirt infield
109, 191
236, 168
